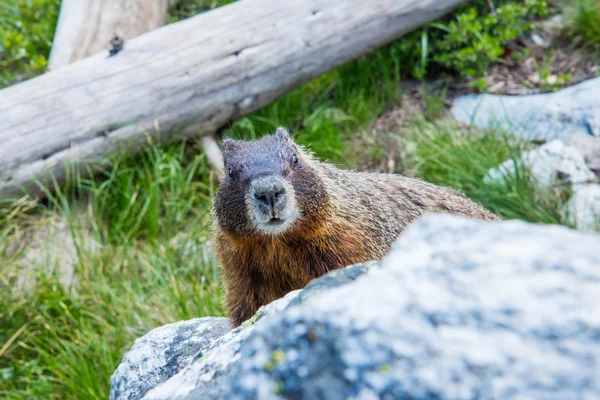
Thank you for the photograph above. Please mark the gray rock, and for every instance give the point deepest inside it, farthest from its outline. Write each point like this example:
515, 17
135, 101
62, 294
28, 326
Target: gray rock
162, 353
541, 117
333, 279
589, 147
208, 376
583, 207
459, 309
551, 162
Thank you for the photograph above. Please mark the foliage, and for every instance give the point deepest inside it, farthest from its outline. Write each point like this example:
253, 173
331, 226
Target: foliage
182, 9
582, 23
444, 154
26, 31
141, 261
469, 40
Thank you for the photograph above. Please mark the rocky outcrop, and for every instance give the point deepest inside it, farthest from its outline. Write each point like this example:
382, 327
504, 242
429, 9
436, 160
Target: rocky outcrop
459, 309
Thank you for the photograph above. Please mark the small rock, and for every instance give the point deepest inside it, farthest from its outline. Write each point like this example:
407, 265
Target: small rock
589, 147
538, 40
584, 207
534, 78
551, 79
161, 353
548, 163
554, 24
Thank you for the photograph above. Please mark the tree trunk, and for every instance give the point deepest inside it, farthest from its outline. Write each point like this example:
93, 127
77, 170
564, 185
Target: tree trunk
86, 27
187, 78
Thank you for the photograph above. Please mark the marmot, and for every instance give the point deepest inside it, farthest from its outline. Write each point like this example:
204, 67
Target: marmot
282, 218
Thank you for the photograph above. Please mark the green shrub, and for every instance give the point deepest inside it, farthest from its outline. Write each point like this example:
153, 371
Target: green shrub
471, 39
26, 32
472, 42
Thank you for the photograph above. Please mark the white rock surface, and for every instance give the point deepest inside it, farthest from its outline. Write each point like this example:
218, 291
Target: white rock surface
589, 147
459, 309
584, 207
551, 162
542, 116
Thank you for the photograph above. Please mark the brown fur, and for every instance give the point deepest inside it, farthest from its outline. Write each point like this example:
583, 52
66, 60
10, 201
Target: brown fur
346, 218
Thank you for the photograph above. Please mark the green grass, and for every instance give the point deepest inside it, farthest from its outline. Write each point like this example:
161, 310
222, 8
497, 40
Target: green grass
444, 154
582, 23
141, 260
26, 32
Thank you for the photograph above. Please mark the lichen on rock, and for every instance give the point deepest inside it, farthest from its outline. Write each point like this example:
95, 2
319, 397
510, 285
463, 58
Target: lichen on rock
163, 352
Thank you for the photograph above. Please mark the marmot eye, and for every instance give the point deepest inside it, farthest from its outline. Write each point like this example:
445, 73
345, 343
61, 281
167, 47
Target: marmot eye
294, 159
231, 173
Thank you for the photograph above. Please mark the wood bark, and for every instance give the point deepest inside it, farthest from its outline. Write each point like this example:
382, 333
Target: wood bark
187, 78
86, 27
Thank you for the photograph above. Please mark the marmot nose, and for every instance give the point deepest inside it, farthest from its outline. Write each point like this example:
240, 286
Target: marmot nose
269, 196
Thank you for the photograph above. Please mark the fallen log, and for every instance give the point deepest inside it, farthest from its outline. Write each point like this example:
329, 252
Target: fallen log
86, 27
186, 78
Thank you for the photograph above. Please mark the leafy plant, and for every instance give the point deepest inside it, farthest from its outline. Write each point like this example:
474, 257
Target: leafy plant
26, 32
467, 41
472, 41
546, 79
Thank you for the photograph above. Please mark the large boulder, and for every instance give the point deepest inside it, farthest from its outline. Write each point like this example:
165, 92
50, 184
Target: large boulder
459, 309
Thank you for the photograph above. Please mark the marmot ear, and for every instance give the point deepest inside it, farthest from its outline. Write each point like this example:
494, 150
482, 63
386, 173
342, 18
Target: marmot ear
282, 133
229, 145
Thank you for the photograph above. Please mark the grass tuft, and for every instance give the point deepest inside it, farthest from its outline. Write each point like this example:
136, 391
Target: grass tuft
136, 255
582, 23
447, 155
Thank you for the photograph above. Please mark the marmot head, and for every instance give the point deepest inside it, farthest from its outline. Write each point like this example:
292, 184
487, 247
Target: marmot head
270, 185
